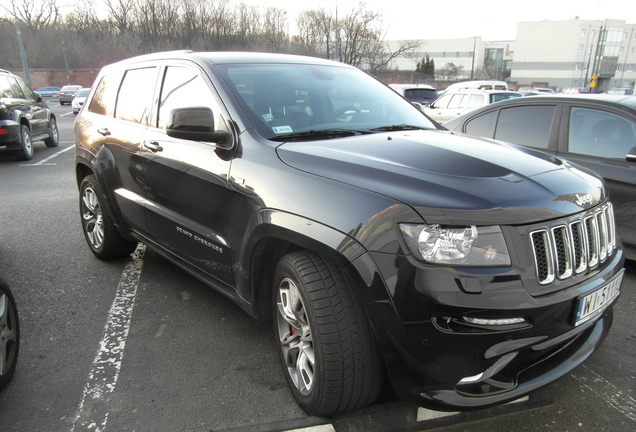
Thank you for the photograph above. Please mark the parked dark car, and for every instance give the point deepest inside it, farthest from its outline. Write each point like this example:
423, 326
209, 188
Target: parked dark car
420, 93
47, 91
595, 131
9, 334
68, 93
24, 117
315, 196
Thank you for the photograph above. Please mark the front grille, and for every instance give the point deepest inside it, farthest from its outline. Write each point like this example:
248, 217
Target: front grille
574, 246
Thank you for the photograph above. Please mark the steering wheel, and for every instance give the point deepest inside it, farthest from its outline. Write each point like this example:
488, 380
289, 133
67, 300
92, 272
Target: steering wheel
343, 111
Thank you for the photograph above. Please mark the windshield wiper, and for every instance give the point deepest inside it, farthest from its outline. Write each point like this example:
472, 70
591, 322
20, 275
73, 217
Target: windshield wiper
317, 135
400, 127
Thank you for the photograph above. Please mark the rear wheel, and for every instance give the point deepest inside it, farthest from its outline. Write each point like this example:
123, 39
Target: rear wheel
26, 144
97, 223
328, 351
54, 135
9, 335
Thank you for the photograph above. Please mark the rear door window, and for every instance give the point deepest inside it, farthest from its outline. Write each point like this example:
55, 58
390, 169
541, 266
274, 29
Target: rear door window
475, 101
526, 125
135, 95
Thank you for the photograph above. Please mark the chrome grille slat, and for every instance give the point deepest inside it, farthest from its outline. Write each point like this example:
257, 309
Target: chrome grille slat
574, 246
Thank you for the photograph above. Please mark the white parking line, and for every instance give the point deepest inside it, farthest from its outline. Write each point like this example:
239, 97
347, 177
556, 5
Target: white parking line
92, 413
54, 155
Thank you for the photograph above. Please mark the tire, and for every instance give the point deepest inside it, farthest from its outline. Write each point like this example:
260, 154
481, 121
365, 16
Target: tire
54, 134
9, 335
26, 144
99, 229
329, 354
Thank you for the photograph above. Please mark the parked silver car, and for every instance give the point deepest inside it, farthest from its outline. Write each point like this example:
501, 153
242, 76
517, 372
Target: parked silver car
454, 104
67, 93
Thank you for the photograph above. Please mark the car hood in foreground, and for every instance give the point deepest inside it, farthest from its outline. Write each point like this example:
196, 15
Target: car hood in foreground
451, 179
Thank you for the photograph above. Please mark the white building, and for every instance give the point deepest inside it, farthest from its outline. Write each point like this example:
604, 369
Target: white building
557, 54
569, 53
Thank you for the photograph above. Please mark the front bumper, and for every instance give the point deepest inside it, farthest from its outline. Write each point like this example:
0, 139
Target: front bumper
435, 359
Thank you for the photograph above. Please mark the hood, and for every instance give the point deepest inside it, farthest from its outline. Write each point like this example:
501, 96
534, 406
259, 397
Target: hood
450, 179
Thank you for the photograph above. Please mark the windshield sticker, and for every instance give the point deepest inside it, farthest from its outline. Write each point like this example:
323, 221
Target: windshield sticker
268, 117
282, 129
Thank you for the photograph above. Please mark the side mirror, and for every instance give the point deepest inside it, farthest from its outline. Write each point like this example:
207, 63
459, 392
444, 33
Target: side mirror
418, 106
195, 124
631, 155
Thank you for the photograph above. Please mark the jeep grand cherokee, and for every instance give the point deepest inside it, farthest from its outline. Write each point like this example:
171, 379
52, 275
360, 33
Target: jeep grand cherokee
468, 272
24, 117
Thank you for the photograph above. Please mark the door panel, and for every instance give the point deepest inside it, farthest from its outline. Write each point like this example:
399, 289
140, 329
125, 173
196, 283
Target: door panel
187, 181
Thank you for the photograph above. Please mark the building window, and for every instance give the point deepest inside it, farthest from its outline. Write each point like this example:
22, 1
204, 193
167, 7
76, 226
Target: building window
578, 67
622, 50
581, 48
583, 33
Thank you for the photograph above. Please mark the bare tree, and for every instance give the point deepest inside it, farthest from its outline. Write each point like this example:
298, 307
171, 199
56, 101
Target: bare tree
119, 13
34, 14
380, 56
449, 72
317, 30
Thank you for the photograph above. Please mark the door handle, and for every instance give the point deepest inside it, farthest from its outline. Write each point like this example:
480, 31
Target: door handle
153, 146
103, 131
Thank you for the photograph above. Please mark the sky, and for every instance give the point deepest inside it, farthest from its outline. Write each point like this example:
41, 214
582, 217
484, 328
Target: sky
493, 20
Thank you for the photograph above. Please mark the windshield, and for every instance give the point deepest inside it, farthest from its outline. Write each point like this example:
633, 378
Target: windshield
83, 92
287, 99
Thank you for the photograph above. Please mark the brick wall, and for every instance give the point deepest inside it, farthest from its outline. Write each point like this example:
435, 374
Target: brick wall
57, 78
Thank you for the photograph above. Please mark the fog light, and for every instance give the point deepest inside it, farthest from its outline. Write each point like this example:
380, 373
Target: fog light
494, 321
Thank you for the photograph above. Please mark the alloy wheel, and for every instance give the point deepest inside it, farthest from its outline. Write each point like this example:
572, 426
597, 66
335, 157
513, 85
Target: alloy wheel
295, 336
92, 218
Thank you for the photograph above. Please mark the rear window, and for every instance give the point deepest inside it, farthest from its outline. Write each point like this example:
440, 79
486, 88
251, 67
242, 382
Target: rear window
420, 94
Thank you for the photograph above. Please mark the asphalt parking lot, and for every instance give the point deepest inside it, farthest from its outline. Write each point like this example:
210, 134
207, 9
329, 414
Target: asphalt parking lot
138, 345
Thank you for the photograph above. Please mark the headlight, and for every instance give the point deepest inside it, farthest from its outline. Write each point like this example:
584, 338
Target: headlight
470, 246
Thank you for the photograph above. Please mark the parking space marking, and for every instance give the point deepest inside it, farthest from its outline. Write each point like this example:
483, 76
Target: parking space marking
54, 155
92, 413
615, 397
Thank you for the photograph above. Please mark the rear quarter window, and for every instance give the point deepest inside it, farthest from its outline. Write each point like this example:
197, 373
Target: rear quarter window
103, 101
482, 126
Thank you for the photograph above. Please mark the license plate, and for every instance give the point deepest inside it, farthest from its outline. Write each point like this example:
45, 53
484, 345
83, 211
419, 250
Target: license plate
594, 303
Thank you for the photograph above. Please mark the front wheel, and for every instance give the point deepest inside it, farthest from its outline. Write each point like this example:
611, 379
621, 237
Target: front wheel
9, 335
97, 223
330, 356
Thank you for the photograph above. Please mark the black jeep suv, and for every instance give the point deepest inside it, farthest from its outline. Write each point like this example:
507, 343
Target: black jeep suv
24, 117
468, 272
